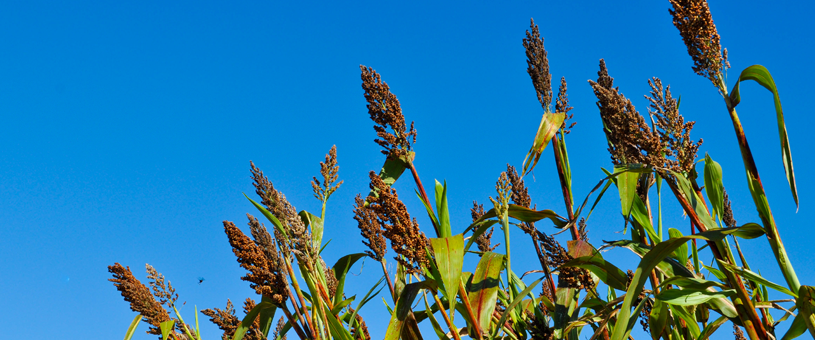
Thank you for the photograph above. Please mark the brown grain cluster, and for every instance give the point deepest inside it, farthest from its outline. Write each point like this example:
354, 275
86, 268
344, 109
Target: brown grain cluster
226, 320
371, 229
727, 214
695, 24
538, 66
674, 132
266, 276
556, 256
406, 238
329, 170
386, 112
630, 138
297, 239
280, 324
139, 297
562, 105
484, 240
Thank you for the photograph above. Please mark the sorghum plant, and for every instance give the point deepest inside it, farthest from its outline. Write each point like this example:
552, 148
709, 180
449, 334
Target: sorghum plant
667, 292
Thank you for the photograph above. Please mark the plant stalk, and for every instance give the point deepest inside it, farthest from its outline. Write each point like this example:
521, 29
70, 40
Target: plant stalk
760, 199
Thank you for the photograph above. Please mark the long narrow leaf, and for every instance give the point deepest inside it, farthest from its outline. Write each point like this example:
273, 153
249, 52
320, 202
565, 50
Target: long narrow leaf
132, 328
762, 76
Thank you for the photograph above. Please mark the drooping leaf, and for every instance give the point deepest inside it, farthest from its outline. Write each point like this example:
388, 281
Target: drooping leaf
756, 278
550, 123
762, 76
711, 328
449, 254
669, 266
691, 296
341, 269
482, 290
525, 214
713, 185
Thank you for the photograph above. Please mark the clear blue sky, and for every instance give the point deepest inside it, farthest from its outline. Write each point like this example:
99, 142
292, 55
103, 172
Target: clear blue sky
127, 129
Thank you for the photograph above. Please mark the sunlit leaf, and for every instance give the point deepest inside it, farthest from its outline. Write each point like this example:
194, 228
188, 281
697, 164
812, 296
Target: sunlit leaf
762, 76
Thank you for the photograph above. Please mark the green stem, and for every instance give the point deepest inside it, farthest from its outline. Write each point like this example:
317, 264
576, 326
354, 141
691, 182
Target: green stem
760, 198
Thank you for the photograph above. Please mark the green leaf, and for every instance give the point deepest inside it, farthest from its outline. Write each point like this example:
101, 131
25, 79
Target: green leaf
435, 323
341, 269
449, 254
166, 327
627, 186
249, 319
565, 305
316, 224
483, 287
550, 123
132, 328
607, 272
762, 76
335, 326
804, 302
271, 217
658, 318
712, 327
691, 296
368, 297
480, 228
518, 299
197, 329
653, 258
713, 185
402, 308
266, 317
525, 214
669, 266
756, 278
797, 327
690, 320
681, 253
430, 212
392, 169
695, 201
441, 207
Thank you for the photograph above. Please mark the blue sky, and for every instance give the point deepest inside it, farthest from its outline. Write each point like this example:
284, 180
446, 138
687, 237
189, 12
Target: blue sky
128, 128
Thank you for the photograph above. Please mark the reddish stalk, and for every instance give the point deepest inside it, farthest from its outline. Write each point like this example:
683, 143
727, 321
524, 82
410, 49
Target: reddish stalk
388, 277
